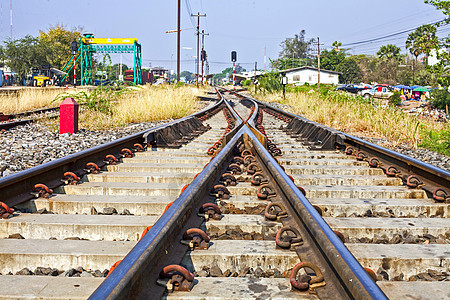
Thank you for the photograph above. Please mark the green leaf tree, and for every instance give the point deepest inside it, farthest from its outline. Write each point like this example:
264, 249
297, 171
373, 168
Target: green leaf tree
57, 42
296, 47
23, 54
351, 72
389, 51
336, 45
422, 40
330, 60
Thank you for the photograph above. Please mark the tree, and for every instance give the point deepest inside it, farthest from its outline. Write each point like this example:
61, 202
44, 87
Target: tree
350, 70
187, 75
389, 51
57, 44
23, 54
330, 60
229, 70
296, 47
443, 56
336, 45
289, 63
422, 40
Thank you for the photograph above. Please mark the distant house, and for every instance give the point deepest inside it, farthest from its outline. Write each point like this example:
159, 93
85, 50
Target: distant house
158, 72
302, 75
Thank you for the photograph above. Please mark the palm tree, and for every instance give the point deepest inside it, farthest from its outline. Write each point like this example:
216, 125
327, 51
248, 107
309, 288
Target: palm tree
389, 51
422, 40
336, 45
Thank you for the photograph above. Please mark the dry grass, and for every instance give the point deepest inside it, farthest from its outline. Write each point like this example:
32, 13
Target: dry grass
154, 103
146, 104
347, 114
29, 99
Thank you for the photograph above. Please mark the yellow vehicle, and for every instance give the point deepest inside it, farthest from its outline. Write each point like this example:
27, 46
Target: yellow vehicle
40, 80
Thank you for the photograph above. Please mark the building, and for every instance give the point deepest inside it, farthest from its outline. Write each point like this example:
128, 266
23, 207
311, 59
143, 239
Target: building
302, 75
159, 72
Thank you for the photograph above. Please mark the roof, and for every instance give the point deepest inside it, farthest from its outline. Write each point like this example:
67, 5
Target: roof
157, 69
310, 68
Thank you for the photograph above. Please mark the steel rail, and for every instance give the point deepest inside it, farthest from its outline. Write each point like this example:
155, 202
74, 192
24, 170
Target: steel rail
431, 176
133, 276
350, 272
16, 188
138, 269
348, 269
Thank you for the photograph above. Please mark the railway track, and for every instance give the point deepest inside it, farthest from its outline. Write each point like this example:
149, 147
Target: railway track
256, 225
14, 120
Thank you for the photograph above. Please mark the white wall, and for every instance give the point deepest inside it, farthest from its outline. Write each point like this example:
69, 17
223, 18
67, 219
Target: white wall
310, 76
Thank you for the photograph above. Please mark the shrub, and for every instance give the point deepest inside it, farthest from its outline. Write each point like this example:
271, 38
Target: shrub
270, 82
441, 99
395, 99
247, 82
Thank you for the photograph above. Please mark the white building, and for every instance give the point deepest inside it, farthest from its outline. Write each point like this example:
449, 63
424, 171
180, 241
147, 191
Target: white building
302, 75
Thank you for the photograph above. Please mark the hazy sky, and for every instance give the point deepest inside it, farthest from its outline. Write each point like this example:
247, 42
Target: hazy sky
247, 26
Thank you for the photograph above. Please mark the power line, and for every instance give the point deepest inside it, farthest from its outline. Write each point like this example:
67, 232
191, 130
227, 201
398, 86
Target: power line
189, 11
378, 26
387, 36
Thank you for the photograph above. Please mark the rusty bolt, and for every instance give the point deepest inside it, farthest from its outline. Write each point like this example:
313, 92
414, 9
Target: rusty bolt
228, 179
41, 190
275, 211
196, 238
220, 191
440, 195
414, 182
125, 152
5, 211
287, 237
110, 159
265, 191
253, 168
392, 171
92, 168
305, 284
70, 178
361, 155
349, 150
180, 278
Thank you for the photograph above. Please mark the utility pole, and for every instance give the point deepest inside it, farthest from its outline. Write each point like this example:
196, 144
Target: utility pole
256, 64
265, 59
203, 56
120, 66
318, 63
198, 15
10, 17
178, 40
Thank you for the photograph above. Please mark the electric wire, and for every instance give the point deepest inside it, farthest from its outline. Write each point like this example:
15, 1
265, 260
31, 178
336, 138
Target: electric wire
385, 36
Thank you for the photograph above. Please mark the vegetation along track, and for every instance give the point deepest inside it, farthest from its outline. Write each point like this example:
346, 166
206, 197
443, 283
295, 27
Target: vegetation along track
258, 228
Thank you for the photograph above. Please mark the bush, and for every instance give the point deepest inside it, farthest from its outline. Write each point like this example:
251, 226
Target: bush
438, 141
441, 99
270, 82
395, 99
247, 82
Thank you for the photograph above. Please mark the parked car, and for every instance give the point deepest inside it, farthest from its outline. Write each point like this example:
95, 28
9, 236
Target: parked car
383, 91
351, 88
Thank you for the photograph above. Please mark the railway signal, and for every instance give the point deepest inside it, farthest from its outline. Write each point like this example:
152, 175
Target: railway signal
233, 59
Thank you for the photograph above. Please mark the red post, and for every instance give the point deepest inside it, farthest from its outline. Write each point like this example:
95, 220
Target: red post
68, 116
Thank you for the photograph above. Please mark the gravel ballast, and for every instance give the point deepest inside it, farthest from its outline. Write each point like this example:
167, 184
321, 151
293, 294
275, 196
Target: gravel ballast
34, 144
31, 145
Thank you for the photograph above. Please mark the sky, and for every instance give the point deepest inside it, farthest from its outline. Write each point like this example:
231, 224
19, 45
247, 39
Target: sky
250, 27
